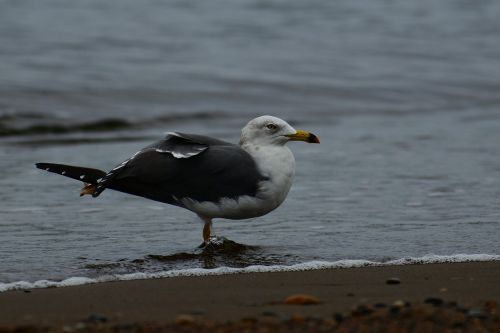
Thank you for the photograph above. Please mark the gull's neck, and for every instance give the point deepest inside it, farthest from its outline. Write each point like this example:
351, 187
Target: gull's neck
271, 156
276, 162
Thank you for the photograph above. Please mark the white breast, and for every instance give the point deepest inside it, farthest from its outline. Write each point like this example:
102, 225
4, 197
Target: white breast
278, 164
274, 162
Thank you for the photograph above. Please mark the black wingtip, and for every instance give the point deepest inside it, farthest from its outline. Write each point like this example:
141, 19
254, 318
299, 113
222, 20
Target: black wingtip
42, 166
45, 166
83, 174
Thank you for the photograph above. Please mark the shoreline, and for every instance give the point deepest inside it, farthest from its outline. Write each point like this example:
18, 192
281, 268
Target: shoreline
306, 266
236, 296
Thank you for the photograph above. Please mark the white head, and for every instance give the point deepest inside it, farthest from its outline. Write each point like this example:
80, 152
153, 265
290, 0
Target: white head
269, 130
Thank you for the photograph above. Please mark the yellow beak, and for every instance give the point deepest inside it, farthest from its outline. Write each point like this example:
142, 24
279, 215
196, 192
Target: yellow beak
303, 136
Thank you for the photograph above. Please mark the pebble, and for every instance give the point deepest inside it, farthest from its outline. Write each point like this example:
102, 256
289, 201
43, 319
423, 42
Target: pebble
452, 304
184, 319
68, 329
198, 312
393, 280
269, 314
80, 326
491, 306
249, 320
96, 319
297, 318
339, 317
434, 301
394, 310
475, 313
301, 299
399, 303
74, 328
362, 310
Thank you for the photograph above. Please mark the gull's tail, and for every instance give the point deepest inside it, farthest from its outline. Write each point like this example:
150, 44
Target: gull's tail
87, 175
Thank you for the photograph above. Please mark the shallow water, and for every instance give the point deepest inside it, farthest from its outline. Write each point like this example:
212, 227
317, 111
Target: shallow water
403, 96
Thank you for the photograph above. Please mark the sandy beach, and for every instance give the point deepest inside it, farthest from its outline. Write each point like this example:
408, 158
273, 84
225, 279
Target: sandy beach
219, 299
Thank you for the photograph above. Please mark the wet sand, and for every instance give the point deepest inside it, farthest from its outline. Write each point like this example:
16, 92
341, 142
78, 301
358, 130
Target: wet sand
219, 299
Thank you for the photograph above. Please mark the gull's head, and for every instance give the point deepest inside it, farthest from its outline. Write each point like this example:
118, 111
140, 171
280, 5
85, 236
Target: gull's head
269, 130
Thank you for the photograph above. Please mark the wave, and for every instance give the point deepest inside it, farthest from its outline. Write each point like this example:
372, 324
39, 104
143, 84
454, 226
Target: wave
56, 127
96, 126
311, 265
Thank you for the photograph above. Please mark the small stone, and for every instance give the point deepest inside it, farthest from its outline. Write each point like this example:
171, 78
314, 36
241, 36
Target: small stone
338, 317
269, 314
380, 305
301, 299
476, 313
249, 320
328, 324
68, 329
198, 312
96, 319
394, 310
362, 310
434, 301
80, 326
491, 306
393, 280
297, 318
127, 327
184, 319
399, 303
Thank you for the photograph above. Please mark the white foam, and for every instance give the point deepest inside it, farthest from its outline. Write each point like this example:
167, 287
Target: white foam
311, 265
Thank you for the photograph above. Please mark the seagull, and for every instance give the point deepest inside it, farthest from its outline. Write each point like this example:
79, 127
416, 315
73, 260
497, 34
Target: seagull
210, 177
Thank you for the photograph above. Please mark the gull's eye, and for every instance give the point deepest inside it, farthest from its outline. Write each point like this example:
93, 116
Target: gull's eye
271, 126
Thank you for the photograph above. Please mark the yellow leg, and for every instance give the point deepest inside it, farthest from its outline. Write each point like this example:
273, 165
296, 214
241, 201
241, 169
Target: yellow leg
207, 230
87, 189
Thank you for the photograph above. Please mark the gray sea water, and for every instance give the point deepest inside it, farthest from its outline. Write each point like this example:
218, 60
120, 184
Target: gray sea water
405, 97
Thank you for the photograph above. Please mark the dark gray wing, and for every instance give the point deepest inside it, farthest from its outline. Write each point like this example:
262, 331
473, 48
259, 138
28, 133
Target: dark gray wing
215, 169
182, 145
179, 145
